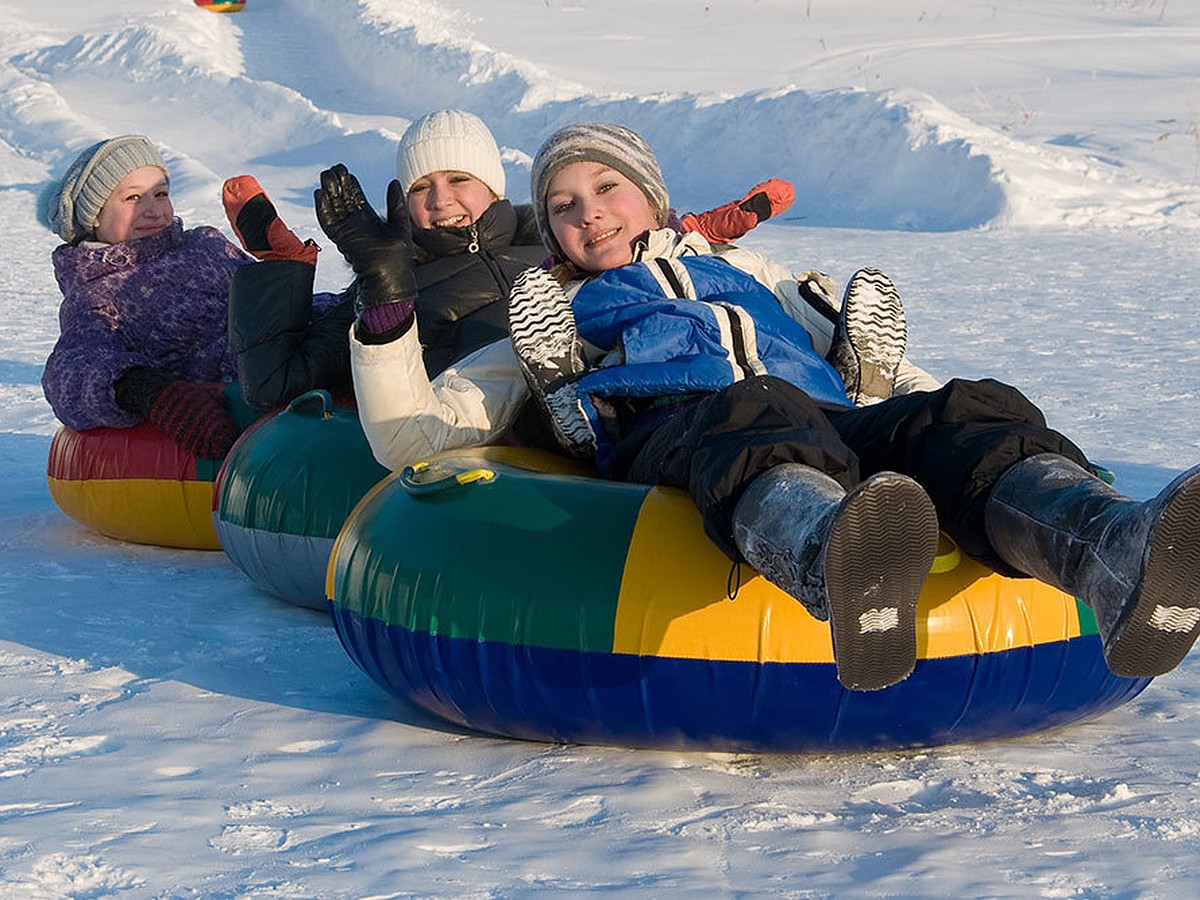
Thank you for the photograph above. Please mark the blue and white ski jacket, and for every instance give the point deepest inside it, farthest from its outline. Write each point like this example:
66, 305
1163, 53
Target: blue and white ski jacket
693, 324
665, 326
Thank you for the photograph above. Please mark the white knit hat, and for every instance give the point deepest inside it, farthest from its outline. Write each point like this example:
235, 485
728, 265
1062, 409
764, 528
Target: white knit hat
450, 140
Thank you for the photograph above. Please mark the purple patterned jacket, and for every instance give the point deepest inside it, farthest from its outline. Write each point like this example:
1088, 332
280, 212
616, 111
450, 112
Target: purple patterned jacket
161, 301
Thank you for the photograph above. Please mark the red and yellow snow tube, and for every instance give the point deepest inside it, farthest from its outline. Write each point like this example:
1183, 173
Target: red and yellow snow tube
505, 591
222, 6
134, 484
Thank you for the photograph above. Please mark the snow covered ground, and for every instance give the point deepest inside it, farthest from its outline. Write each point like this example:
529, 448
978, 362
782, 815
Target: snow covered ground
1029, 173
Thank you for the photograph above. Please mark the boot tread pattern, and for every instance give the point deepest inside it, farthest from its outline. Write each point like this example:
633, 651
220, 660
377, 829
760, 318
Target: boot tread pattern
1164, 622
543, 328
544, 336
879, 619
877, 558
873, 333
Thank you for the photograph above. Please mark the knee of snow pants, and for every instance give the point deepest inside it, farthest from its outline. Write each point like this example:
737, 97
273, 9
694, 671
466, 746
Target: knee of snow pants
716, 447
956, 442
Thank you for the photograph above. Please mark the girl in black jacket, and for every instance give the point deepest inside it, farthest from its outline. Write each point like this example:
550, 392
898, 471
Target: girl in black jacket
469, 243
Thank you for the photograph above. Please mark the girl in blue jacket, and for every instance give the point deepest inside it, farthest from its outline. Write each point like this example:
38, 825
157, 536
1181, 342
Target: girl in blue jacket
669, 365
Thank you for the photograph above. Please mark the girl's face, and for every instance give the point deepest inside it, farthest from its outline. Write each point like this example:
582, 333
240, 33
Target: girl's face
448, 200
596, 215
139, 207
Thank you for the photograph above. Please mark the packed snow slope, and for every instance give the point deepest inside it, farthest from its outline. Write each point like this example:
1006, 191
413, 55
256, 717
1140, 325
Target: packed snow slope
1029, 172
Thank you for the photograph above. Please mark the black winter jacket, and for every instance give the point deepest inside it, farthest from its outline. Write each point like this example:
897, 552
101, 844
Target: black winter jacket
463, 278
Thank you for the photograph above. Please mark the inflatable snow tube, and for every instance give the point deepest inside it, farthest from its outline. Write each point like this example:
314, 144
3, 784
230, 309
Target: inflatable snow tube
502, 591
134, 484
284, 492
222, 6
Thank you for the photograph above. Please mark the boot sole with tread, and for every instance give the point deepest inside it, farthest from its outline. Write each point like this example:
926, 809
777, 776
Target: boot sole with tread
1164, 621
877, 557
872, 336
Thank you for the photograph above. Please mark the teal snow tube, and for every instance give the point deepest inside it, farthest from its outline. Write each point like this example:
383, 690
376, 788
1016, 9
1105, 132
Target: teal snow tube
285, 490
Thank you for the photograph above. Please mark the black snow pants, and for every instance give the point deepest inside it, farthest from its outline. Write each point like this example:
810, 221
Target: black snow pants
955, 442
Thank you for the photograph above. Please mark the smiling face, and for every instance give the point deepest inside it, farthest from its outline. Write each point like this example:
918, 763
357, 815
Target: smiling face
596, 214
139, 207
448, 200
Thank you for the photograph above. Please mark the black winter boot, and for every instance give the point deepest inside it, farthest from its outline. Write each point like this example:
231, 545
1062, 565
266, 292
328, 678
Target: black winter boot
1136, 564
857, 559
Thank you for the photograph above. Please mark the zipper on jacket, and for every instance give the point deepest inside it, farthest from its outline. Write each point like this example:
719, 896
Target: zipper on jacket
502, 281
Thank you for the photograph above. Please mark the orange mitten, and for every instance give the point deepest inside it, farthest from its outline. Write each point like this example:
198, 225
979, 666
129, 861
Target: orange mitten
258, 226
731, 221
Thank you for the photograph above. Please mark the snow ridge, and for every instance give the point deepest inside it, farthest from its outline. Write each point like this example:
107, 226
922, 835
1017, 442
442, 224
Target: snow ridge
318, 85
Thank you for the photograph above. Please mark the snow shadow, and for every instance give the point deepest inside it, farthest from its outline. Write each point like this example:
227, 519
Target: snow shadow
162, 614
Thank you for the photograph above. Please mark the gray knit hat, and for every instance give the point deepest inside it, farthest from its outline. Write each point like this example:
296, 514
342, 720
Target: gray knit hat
449, 140
74, 204
610, 145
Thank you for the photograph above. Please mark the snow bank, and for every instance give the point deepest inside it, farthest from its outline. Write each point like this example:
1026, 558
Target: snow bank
895, 159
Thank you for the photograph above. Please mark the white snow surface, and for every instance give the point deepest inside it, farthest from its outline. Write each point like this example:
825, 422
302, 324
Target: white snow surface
1029, 172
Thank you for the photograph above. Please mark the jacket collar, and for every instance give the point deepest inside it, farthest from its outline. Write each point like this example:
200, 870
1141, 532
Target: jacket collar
495, 228
661, 243
85, 261
666, 243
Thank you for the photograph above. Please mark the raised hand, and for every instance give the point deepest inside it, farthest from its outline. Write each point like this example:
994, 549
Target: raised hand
379, 251
732, 220
258, 226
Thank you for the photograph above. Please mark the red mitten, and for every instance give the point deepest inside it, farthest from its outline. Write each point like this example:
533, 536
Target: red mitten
195, 417
257, 225
731, 221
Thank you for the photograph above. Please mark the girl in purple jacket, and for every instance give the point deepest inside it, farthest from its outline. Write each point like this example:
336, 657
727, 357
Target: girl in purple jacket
144, 317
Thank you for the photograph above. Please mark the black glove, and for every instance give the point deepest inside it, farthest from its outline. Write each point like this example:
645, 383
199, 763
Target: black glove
136, 389
380, 252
